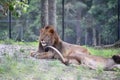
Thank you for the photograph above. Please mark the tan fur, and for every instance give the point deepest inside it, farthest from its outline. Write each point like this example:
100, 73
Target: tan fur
95, 62
72, 53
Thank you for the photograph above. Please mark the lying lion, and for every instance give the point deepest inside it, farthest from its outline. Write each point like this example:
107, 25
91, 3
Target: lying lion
52, 47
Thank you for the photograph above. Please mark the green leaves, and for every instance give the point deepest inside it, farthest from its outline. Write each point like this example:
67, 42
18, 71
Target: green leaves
15, 6
112, 3
11, 8
19, 8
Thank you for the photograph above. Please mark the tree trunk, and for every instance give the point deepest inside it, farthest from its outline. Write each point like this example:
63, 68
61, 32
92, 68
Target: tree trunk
10, 25
118, 19
99, 39
44, 13
94, 36
19, 34
86, 36
63, 2
78, 32
52, 12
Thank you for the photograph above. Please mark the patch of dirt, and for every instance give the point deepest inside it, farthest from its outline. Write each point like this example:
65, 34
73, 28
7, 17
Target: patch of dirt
51, 69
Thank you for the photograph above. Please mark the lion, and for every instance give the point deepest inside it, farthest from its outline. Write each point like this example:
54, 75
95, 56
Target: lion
49, 37
52, 47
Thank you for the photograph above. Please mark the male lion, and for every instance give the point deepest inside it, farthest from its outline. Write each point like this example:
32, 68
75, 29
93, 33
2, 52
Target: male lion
70, 53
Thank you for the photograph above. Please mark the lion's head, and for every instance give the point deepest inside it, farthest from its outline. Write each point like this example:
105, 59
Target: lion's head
48, 36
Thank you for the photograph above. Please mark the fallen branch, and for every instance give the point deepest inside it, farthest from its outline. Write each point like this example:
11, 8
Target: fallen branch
58, 52
115, 45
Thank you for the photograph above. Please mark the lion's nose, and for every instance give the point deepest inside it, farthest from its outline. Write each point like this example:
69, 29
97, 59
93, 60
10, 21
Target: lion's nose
42, 40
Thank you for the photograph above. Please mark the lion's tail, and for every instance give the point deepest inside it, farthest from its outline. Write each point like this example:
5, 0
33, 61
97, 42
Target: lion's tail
116, 58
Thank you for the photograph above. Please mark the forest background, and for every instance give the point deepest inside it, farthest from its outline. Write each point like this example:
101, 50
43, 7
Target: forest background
86, 22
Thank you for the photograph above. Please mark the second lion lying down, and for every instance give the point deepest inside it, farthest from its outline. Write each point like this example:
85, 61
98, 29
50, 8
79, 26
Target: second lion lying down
69, 53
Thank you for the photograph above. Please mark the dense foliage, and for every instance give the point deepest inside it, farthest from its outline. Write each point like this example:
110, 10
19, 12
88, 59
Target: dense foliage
90, 22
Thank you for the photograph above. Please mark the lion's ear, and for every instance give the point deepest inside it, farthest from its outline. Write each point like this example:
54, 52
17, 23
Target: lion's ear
51, 31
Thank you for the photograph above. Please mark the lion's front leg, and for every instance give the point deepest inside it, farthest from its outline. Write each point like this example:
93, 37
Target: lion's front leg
32, 54
42, 55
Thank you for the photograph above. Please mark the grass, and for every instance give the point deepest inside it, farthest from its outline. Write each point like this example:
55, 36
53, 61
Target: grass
9, 41
93, 51
23, 67
13, 68
104, 52
27, 69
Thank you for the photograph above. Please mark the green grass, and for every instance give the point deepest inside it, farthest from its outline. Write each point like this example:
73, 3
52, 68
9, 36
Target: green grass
12, 42
14, 69
24, 68
27, 69
104, 52
93, 51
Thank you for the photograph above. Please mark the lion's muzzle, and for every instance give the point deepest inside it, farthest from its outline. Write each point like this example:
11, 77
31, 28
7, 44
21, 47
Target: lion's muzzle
43, 43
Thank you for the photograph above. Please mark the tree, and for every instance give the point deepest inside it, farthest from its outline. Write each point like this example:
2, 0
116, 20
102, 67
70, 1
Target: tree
48, 12
119, 20
15, 7
80, 11
44, 13
105, 14
52, 12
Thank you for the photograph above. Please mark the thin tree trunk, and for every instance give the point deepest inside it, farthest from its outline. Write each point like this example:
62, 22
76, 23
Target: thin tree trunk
52, 12
21, 33
63, 2
86, 37
118, 19
94, 36
78, 32
44, 13
10, 25
78, 27
99, 39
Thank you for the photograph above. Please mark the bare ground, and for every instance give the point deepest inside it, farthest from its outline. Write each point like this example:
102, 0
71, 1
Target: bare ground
28, 68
